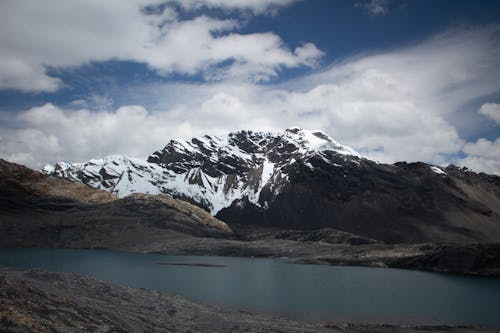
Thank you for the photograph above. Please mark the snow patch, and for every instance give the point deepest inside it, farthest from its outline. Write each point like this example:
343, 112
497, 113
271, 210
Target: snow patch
437, 170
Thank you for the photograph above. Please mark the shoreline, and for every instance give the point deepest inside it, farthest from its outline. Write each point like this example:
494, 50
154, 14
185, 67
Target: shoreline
38, 300
456, 259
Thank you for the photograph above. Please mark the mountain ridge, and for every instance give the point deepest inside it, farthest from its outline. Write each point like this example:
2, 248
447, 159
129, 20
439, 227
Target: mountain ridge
211, 171
306, 180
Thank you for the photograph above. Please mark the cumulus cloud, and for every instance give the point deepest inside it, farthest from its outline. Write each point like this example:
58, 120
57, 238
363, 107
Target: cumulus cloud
483, 155
52, 134
17, 74
35, 37
491, 110
190, 47
396, 105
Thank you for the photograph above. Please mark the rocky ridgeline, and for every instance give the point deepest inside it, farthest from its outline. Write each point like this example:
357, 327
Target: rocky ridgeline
211, 171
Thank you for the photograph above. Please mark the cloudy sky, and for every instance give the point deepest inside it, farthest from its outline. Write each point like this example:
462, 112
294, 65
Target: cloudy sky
396, 80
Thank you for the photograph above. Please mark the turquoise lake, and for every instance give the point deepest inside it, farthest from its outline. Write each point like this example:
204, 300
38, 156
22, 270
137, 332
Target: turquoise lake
357, 294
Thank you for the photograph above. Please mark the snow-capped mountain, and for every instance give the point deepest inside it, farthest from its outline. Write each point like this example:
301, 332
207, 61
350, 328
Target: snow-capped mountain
306, 180
214, 171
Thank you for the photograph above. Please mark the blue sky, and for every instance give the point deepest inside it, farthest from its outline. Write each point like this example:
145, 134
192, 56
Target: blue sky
397, 80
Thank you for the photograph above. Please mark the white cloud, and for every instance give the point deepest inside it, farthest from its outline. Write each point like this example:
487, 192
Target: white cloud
53, 134
483, 155
35, 36
190, 47
17, 74
397, 105
375, 7
491, 110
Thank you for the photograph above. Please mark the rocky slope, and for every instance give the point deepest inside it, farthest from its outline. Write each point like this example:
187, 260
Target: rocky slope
306, 180
44, 211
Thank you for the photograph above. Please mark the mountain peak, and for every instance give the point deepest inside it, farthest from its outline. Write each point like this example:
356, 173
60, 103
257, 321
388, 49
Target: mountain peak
213, 171
317, 140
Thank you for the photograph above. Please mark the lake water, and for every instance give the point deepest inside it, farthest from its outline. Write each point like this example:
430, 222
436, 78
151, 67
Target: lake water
356, 294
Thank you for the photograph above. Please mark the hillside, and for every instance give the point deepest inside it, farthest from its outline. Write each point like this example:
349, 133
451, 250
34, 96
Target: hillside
44, 211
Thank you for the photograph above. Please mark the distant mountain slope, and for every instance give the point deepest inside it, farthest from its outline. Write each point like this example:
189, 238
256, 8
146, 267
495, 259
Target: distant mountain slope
306, 180
41, 210
392, 203
20, 184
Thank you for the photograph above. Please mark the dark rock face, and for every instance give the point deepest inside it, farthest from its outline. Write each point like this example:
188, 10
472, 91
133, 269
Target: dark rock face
208, 155
393, 203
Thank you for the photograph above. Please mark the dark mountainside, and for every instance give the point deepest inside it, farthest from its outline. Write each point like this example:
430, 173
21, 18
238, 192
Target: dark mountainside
392, 203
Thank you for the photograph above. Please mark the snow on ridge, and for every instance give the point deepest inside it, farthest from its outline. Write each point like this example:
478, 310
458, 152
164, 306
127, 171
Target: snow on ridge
123, 175
317, 141
305, 141
48, 169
